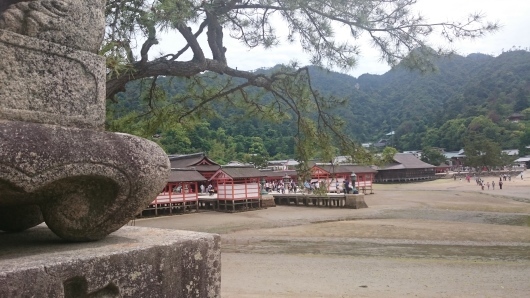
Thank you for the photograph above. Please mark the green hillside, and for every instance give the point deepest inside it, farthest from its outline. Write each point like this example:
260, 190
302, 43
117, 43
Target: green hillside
466, 97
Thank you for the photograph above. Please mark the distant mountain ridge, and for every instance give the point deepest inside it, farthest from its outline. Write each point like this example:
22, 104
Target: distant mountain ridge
461, 87
424, 109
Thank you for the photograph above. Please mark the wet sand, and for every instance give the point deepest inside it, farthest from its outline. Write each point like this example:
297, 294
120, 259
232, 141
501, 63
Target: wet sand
442, 238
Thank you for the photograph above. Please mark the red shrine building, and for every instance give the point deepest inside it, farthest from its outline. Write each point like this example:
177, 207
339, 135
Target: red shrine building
330, 174
237, 185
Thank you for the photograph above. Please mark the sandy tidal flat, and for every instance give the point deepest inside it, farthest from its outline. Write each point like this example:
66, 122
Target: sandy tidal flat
442, 238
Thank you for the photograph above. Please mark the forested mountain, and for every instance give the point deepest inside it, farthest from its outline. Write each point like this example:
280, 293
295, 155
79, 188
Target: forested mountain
464, 97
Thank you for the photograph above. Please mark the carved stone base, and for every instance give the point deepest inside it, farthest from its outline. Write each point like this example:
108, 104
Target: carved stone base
83, 183
43, 82
132, 262
355, 201
267, 201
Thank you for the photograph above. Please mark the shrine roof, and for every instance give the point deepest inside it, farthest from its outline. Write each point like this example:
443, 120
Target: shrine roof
190, 160
345, 168
406, 161
240, 172
185, 175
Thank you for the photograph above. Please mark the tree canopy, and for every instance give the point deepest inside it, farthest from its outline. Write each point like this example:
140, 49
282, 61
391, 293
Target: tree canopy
482, 152
134, 27
432, 156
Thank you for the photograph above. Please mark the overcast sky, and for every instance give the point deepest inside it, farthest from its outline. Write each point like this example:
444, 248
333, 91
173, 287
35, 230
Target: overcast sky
513, 15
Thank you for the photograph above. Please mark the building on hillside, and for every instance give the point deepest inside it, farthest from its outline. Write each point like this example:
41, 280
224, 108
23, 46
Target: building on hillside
523, 161
342, 159
516, 117
511, 152
237, 187
180, 193
235, 163
199, 161
416, 153
456, 159
330, 174
406, 167
382, 143
282, 165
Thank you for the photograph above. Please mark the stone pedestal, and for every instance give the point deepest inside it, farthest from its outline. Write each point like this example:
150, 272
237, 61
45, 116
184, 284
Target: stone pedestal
267, 201
132, 262
355, 201
44, 82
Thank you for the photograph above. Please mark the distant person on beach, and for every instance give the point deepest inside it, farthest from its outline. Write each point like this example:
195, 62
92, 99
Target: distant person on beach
493, 184
500, 184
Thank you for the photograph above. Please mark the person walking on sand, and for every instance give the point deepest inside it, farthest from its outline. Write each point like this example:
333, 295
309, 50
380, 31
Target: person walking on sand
500, 184
493, 185
488, 185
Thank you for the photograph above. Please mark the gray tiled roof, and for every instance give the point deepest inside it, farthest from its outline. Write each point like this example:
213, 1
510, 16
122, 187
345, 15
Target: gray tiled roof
185, 175
207, 168
268, 173
242, 172
346, 168
407, 161
189, 160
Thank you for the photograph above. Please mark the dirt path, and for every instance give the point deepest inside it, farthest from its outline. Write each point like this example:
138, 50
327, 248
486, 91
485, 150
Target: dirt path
442, 238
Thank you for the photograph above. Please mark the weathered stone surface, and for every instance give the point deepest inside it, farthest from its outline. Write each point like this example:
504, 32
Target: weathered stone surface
86, 183
78, 24
44, 82
267, 201
132, 262
355, 201
56, 163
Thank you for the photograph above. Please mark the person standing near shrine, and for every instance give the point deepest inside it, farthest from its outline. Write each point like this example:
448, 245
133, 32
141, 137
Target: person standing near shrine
210, 189
346, 186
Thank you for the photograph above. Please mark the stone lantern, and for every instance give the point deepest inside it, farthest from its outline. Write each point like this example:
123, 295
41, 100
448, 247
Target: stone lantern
353, 179
263, 190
